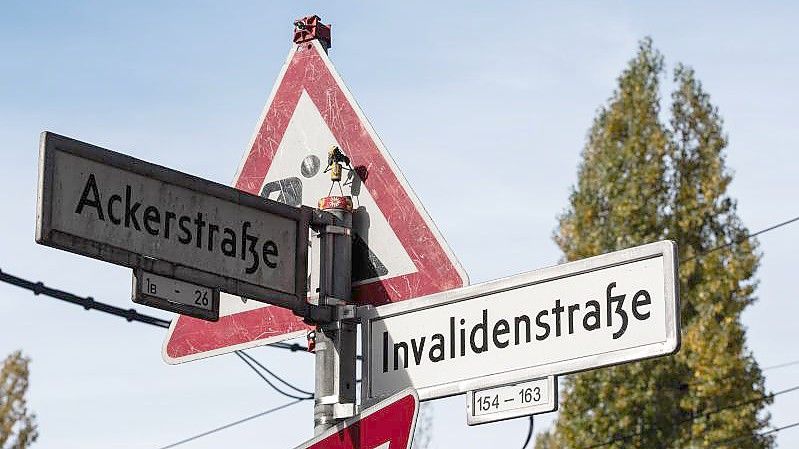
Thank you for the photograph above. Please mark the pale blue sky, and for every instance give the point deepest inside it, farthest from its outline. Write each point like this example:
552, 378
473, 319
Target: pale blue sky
484, 107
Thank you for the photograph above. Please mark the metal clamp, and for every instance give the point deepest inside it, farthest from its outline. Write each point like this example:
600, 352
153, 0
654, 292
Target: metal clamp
342, 411
320, 219
330, 326
327, 400
363, 310
316, 314
346, 312
343, 312
335, 229
332, 301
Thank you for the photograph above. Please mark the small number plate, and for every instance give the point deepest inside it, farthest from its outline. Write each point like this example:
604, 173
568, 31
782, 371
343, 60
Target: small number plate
175, 295
512, 401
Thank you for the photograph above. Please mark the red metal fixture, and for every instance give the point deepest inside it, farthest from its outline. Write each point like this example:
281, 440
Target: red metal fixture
310, 28
311, 341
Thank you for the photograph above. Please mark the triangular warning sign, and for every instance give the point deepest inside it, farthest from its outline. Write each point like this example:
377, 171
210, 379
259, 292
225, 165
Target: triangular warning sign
398, 253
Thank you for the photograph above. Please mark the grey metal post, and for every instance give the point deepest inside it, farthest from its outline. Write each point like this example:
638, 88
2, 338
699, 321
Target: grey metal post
335, 342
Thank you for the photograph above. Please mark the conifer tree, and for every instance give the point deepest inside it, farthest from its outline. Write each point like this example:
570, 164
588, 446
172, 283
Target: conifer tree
639, 182
17, 425
716, 284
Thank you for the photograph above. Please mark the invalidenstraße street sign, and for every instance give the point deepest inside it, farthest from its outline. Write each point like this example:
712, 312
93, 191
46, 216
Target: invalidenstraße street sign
119, 209
531, 397
600, 311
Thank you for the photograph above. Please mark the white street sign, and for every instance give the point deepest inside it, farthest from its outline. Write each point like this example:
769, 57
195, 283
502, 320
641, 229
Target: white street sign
175, 295
512, 401
595, 312
112, 207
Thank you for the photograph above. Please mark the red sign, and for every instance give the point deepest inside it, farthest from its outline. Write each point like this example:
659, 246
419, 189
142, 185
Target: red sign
386, 425
398, 253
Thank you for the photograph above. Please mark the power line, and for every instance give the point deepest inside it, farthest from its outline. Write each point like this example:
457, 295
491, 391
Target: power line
697, 382
234, 423
744, 238
278, 378
759, 434
308, 395
694, 416
781, 365
89, 303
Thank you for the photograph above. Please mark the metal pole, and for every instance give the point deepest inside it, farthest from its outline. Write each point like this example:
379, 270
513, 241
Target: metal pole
335, 339
335, 342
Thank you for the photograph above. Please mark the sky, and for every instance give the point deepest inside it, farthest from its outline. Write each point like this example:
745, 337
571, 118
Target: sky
483, 106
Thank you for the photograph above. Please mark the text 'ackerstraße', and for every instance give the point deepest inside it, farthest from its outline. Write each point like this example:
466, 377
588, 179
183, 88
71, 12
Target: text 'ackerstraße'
124, 210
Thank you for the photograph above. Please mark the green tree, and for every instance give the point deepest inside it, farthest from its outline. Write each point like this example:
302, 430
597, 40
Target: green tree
716, 285
642, 181
17, 425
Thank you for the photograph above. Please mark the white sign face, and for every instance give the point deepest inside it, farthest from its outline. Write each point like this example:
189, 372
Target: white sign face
175, 295
116, 208
595, 312
512, 401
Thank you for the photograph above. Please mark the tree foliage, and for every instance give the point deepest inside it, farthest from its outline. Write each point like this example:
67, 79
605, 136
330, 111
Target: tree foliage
17, 425
642, 180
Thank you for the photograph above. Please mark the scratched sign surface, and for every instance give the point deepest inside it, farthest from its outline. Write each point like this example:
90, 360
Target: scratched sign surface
386, 425
398, 253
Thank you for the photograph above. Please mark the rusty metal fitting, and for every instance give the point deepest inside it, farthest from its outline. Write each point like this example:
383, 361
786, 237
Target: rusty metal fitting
310, 28
335, 172
336, 202
311, 341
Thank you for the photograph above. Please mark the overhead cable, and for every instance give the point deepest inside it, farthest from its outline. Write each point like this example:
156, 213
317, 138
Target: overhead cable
234, 423
89, 303
278, 378
781, 365
694, 416
306, 395
725, 443
744, 238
